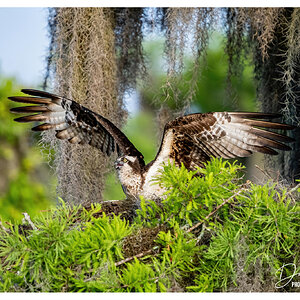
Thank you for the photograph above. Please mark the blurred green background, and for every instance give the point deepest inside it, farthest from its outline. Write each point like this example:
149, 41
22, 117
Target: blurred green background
26, 180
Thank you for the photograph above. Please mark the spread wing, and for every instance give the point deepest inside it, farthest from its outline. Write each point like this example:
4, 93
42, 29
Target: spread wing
73, 122
194, 138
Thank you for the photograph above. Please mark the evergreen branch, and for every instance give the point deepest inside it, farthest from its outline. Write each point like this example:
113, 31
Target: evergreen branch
216, 209
163, 257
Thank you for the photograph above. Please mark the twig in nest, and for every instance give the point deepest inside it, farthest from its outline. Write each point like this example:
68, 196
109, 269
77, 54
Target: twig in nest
263, 171
27, 218
123, 261
293, 189
216, 209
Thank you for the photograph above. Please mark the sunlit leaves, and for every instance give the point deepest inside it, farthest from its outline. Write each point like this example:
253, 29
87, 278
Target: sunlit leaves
241, 228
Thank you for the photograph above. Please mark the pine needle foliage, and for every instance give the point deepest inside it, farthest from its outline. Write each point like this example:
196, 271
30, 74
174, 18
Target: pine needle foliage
211, 233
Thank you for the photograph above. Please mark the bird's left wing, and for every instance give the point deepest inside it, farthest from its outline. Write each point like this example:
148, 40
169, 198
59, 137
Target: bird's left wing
194, 138
73, 122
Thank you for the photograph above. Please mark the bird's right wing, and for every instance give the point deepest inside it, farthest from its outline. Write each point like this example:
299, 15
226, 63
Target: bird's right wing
194, 139
73, 122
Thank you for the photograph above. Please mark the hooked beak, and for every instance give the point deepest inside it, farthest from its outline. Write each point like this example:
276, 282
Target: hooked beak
118, 164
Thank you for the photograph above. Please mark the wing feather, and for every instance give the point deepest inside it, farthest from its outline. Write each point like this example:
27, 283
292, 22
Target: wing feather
221, 134
211, 149
219, 151
232, 150
73, 122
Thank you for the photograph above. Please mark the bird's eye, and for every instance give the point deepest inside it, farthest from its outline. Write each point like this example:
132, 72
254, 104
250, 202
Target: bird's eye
125, 160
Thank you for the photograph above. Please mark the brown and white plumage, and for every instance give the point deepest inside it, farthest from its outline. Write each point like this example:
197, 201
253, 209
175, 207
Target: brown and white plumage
197, 137
192, 139
73, 122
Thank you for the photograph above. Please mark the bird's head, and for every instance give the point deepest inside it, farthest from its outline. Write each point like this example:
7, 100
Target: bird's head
127, 162
130, 174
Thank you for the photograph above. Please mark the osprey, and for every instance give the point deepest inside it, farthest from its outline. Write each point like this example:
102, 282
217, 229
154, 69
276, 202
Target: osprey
192, 139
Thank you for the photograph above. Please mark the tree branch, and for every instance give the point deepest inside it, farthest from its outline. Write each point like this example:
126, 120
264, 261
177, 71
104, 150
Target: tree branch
121, 262
293, 189
216, 209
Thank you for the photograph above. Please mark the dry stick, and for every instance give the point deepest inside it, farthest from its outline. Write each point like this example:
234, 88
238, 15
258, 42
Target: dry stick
290, 191
214, 211
293, 189
133, 257
27, 218
263, 171
191, 229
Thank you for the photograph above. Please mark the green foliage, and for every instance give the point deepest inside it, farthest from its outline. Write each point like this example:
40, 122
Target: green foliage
211, 92
23, 195
191, 195
214, 229
61, 253
21, 188
7, 129
139, 277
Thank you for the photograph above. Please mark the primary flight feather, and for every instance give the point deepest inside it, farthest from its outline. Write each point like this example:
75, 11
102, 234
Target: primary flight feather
192, 139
